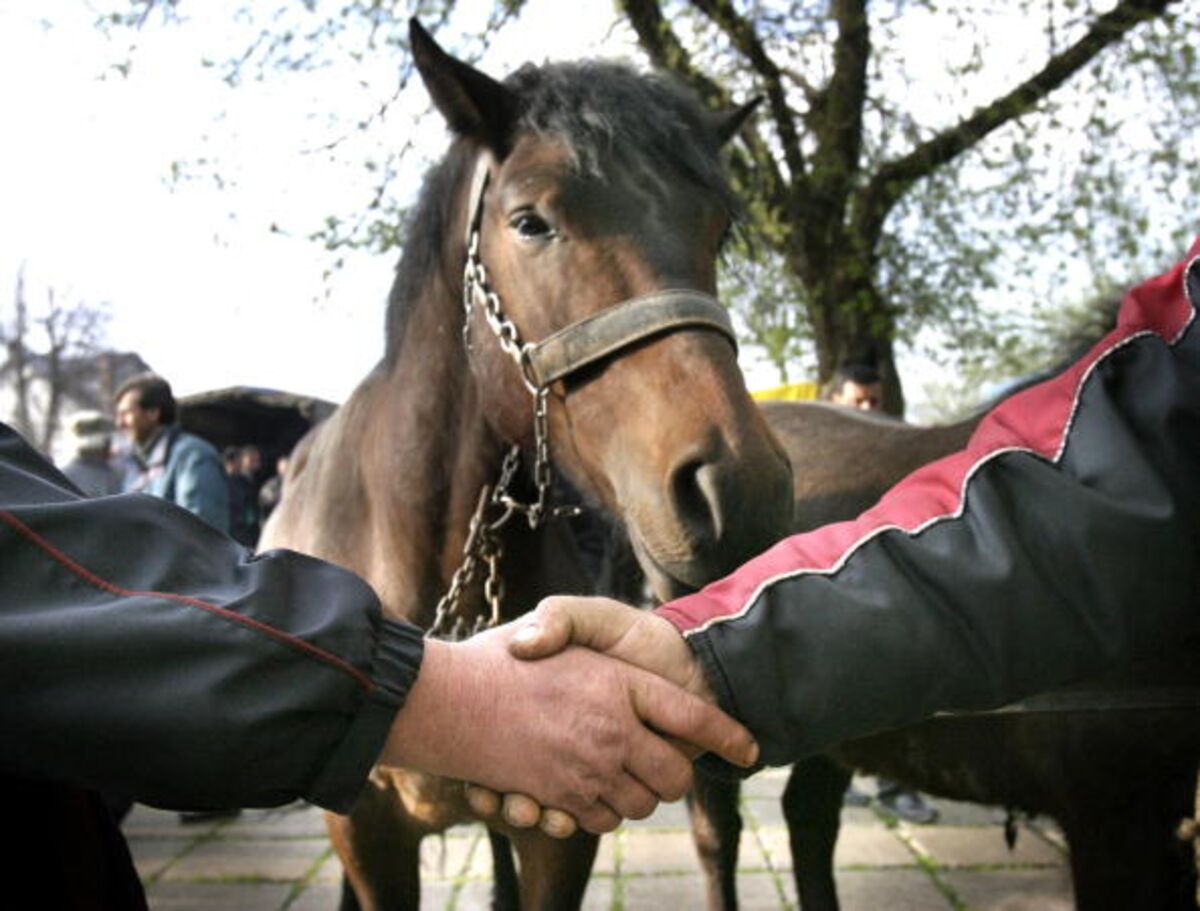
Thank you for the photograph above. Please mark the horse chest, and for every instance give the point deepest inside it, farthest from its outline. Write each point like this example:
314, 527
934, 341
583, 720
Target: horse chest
432, 802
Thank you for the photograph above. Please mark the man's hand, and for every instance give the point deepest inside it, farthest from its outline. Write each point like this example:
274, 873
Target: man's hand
635, 636
576, 730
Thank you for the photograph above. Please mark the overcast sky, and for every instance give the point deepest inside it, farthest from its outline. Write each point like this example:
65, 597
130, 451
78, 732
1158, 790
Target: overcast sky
199, 284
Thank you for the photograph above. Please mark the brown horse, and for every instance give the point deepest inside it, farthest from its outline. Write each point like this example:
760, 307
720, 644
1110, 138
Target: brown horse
1117, 782
580, 206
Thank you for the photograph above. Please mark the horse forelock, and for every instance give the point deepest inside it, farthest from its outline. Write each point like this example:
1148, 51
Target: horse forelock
608, 115
611, 115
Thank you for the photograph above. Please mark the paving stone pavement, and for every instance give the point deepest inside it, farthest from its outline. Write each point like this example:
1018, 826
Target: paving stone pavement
280, 860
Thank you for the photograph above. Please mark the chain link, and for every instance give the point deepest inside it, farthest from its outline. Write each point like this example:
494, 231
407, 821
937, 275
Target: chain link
477, 287
482, 545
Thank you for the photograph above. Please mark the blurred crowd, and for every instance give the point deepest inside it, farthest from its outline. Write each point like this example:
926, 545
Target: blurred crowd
141, 447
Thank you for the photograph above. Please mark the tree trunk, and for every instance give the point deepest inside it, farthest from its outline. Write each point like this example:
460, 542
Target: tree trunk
852, 322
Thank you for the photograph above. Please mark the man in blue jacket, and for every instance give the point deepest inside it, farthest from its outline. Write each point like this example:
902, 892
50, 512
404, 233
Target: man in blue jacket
174, 465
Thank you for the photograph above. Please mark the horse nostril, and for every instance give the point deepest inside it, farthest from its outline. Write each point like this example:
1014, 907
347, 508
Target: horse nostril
696, 492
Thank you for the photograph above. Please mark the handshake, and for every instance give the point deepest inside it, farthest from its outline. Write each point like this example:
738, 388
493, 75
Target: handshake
582, 713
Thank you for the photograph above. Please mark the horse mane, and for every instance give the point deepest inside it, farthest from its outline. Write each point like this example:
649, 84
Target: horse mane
609, 114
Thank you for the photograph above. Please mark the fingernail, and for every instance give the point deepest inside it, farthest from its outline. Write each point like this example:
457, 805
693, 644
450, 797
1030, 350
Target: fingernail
527, 633
751, 755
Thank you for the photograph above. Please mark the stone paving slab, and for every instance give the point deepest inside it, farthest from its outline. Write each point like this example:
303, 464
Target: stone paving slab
675, 891
151, 822
767, 783
464, 852
894, 890
323, 897
857, 846
979, 847
280, 860
218, 897
1013, 890
241, 858
957, 813
152, 855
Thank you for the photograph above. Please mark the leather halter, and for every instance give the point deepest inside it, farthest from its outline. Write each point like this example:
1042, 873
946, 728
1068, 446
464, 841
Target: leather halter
608, 331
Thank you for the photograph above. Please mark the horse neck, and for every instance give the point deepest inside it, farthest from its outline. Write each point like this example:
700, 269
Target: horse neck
425, 454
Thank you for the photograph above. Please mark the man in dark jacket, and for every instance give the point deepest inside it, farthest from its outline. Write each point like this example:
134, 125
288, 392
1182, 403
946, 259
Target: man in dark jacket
1062, 543
147, 654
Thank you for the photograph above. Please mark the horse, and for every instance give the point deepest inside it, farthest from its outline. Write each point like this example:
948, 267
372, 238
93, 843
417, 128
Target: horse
553, 310
1117, 781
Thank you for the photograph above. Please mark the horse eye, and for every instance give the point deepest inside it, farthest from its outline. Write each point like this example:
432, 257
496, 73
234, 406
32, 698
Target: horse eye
531, 226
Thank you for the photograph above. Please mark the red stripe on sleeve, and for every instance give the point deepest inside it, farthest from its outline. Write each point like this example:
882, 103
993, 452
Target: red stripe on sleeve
362, 680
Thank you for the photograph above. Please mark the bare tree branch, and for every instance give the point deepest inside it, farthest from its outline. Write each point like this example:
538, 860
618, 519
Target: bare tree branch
666, 51
745, 40
840, 114
894, 178
17, 357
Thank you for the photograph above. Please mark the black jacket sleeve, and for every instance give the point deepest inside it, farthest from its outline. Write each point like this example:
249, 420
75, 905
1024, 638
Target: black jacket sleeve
1062, 543
145, 653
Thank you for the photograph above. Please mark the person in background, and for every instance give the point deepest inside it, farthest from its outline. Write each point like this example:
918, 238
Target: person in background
250, 464
857, 385
229, 459
271, 492
245, 521
172, 464
91, 468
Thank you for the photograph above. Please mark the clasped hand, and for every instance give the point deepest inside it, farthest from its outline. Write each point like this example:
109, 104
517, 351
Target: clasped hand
552, 711
640, 639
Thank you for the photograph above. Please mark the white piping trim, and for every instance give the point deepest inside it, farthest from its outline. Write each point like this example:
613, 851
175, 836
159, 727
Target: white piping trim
970, 474
1195, 304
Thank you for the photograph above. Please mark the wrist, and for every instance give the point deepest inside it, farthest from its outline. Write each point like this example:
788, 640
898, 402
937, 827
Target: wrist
428, 733
668, 641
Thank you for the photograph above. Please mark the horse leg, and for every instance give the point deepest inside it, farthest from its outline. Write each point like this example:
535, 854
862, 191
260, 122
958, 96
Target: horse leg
812, 807
554, 872
506, 894
1125, 854
380, 853
716, 830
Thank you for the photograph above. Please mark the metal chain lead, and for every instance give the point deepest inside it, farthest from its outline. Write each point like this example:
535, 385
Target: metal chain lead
483, 540
476, 287
482, 544
475, 281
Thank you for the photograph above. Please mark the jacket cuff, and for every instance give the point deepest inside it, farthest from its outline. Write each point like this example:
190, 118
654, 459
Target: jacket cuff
710, 763
398, 655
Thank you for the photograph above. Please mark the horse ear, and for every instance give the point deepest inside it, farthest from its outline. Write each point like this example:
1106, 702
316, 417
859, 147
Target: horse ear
727, 123
473, 103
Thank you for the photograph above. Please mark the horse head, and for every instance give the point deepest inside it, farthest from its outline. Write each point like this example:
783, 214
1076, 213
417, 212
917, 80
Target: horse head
591, 208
